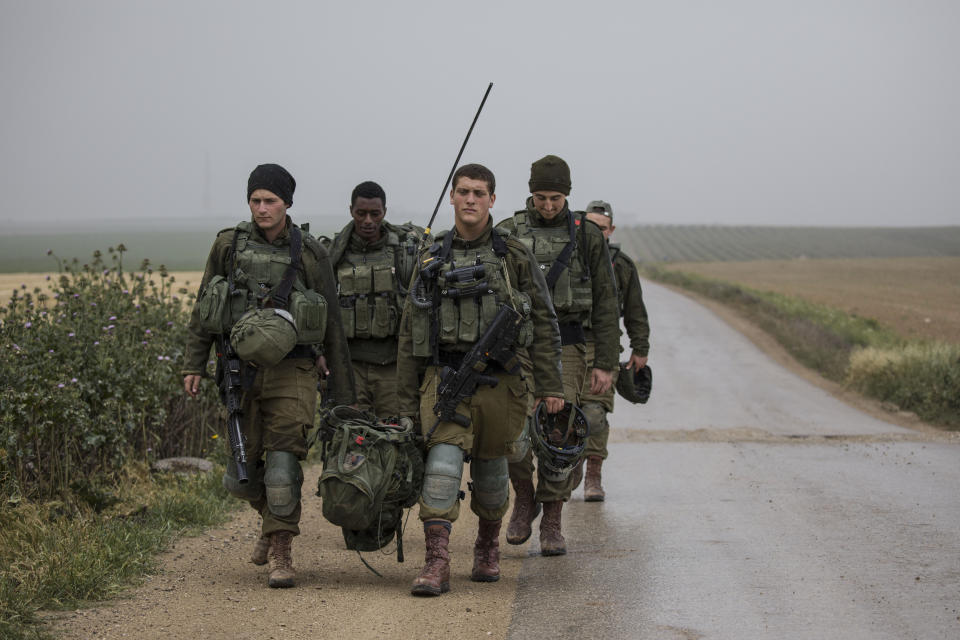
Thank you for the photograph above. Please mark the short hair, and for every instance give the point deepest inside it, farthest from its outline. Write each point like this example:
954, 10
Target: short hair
476, 172
368, 189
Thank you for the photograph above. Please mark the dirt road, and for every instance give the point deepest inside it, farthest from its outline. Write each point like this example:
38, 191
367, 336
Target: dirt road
743, 502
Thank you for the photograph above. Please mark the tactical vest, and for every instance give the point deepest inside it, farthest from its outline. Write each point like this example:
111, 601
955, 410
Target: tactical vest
371, 286
257, 270
571, 292
468, 290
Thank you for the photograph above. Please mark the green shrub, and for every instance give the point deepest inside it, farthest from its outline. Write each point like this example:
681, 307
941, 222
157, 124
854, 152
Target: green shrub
91, 381
920, 377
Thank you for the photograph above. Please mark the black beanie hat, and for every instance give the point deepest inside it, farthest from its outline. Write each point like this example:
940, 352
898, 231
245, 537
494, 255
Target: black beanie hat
273, 178
550, 173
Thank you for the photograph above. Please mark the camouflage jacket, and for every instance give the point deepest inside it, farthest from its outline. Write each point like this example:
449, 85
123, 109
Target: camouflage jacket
316, 274
544, 351
603, 316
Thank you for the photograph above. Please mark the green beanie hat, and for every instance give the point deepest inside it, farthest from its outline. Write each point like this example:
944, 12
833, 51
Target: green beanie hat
550, 173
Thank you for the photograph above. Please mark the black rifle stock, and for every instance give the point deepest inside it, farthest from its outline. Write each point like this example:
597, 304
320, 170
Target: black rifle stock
457, 384
231, 391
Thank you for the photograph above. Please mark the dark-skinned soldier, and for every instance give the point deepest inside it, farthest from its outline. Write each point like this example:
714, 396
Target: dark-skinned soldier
283, 344
573, 254
373, 262
634, 314
448, 310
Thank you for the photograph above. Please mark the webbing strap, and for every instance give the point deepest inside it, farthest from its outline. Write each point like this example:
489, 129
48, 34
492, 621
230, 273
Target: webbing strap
281, 295
563, 260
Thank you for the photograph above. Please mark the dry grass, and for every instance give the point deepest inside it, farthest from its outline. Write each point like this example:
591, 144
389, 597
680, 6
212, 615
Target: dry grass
916, 297
11, 281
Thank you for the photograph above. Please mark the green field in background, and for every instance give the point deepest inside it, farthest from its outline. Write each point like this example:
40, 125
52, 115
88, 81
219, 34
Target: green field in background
187, 250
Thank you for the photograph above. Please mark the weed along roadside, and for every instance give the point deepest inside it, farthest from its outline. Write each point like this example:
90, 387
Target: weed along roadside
918, 376
95, 352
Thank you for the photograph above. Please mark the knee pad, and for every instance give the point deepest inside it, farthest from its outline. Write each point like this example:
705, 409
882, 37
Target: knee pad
517, 450
282, 479
491, 484
596, 415
252, 490
442, 476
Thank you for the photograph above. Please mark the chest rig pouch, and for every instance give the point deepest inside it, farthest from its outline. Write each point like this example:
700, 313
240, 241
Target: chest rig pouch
556, 250
466, 289
369, 291
262, 275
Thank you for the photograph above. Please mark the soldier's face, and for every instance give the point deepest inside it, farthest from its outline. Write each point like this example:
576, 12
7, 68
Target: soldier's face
549, 203
269, 210
367, 216
603, 222
471, 200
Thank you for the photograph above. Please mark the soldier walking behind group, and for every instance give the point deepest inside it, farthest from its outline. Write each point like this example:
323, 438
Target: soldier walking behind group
462, 283
634, 314
573, 253
373, 261
264, 294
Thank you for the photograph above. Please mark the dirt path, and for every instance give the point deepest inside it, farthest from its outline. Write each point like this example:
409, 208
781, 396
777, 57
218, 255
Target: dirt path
208, 589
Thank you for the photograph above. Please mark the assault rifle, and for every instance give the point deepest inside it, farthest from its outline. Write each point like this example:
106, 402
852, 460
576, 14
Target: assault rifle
495, 344
231, 390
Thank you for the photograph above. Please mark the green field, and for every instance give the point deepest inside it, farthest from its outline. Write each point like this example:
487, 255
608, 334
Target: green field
187, 250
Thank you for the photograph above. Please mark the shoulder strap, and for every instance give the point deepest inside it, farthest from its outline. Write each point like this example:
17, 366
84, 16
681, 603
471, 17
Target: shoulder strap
339, 245
563, 260
281, 294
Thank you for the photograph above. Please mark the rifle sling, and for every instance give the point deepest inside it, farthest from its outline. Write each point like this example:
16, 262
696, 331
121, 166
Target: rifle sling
563, 260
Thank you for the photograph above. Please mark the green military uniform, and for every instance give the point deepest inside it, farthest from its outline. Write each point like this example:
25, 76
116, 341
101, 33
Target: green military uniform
584, 296
440, 332
372, 281
634, 314
280, 403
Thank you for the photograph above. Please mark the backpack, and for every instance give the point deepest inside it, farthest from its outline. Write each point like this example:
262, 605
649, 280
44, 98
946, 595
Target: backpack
372, 471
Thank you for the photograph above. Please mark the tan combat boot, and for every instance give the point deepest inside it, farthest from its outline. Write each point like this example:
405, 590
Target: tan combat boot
551, 540
260, 550
525, 511
281, 564
592, 491
486, 552
434, 578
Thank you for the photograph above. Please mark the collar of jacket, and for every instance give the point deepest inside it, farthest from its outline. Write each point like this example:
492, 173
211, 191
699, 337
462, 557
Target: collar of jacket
480, 241
282, 239
537, 220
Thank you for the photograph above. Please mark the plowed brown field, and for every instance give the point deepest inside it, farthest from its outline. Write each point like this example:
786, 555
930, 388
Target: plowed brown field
917, 297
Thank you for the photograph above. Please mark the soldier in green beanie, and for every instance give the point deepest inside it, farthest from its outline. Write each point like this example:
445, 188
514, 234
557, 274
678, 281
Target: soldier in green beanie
634, 314
572, 254
373, 261
268, 264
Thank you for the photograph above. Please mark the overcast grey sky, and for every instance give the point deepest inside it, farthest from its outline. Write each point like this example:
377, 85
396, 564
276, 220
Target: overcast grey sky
813, 112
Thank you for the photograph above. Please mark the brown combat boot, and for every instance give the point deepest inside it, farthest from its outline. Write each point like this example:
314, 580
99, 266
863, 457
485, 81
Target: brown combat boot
434, 578
486, 552
525, 511
281, 564
551, 540
260, 550
592, 491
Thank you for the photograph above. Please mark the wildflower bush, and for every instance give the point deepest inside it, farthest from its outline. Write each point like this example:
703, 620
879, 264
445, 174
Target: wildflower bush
90, 370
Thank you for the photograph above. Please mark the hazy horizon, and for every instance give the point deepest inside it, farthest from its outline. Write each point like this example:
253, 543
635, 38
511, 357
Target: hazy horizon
747, 112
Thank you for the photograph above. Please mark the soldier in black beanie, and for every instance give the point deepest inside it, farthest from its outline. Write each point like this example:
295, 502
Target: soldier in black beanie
283, 353
275, 178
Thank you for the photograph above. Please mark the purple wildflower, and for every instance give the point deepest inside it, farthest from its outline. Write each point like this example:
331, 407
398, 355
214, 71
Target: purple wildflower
147, 331
61, 386
27, 325
73, 379
113, 317
96, 342
71, 334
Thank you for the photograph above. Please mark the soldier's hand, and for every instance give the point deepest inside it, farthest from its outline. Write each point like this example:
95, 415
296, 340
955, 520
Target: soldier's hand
321, 365
600, 381
191, 384
635, 363
554, 405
